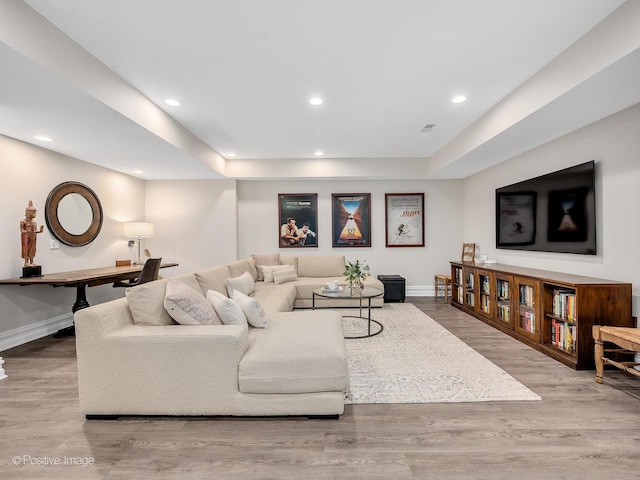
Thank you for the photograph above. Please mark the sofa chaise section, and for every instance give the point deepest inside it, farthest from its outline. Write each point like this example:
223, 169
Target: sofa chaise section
128, 369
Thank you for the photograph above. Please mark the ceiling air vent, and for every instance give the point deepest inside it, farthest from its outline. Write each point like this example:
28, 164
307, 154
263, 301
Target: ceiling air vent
428, 127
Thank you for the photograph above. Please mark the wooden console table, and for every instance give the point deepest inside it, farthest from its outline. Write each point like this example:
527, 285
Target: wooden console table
80, 279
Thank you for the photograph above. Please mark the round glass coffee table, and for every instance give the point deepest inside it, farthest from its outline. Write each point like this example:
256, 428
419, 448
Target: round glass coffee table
367, 293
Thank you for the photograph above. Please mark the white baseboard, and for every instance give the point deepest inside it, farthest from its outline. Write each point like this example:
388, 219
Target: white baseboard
34, 331
420, 291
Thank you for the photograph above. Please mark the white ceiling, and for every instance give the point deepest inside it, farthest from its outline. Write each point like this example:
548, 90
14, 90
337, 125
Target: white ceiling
244, 71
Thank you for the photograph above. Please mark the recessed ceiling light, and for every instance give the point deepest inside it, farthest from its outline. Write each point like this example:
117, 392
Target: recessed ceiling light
42, 138
315, 101
138, 171
172, 102
231, 155
458, 99
318, 153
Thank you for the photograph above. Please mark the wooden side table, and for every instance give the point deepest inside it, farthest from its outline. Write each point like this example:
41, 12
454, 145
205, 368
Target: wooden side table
441, 278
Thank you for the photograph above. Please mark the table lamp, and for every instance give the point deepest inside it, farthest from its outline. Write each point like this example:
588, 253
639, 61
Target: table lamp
138, 230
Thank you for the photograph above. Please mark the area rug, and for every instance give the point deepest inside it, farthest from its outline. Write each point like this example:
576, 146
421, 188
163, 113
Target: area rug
415, 360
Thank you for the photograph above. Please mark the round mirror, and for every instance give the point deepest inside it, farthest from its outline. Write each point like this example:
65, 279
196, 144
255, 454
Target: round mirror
73, 214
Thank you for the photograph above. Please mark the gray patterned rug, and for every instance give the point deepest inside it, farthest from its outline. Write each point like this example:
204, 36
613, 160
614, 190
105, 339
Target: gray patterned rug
415, 360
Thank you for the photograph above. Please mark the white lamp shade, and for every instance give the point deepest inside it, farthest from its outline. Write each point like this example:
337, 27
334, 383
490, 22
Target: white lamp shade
138, 229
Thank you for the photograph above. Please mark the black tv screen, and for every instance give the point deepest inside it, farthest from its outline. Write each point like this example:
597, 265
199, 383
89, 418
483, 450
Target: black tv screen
551, 213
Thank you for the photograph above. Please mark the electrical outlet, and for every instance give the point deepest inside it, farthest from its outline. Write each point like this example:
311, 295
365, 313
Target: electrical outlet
54, 244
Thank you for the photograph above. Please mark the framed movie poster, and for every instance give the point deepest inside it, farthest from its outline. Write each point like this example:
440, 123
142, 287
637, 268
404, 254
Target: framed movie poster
568, 215
298, 220
404, 219
516, 214
351, 219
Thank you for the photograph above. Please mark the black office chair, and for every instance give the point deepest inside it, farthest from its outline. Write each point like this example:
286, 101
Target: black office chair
149, 273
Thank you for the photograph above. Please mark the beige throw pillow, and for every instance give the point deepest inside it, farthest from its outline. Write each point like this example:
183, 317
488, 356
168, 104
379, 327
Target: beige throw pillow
244, 283
227, 309
285, 275
260, 260
146, 303
269, 269
251, 309
188, 306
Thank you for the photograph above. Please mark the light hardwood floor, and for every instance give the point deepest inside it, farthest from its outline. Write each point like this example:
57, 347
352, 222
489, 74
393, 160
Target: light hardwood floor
580, 430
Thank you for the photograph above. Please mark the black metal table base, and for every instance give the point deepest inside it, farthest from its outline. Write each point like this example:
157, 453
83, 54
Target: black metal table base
370, 321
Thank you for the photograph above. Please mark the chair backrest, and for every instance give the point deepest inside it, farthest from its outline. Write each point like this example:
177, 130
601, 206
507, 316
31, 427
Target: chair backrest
468, 253
150, 270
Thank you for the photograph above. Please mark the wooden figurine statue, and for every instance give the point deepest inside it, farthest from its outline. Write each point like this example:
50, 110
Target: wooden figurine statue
29, 234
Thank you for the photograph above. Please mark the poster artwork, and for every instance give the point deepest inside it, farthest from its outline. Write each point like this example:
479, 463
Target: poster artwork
517, 218
298, 220
351, 220
405, 220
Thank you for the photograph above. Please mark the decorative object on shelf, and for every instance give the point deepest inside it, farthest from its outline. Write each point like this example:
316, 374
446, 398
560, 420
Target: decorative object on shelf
351, 219
138, 230
468, 253
298, 214
28, 240
355, 273
404, 219
73, 214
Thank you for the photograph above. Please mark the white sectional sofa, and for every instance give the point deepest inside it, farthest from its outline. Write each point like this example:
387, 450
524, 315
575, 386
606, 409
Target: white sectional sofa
133, 359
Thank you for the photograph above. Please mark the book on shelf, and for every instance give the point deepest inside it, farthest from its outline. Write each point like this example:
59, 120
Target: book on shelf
563, 335
486, 286
458, 275
527, 295
529, 322
563, 304
503, 289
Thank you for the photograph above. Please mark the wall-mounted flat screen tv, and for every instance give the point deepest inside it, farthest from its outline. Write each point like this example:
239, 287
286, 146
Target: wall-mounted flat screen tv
551, 213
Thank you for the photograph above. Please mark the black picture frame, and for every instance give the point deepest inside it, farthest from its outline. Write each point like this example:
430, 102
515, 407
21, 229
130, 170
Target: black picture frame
303, 207
351, 219
516, 218
404, 219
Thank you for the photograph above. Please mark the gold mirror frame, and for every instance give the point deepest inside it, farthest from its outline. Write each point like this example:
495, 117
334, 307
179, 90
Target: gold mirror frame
53, 222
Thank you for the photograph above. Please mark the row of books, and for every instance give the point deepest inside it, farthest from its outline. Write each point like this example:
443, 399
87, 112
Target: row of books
485, 285
527, 295
528, 322
564, 304
503, 289
471, 299
470, 281
563, 335
458, 276
484, 303
503, 312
